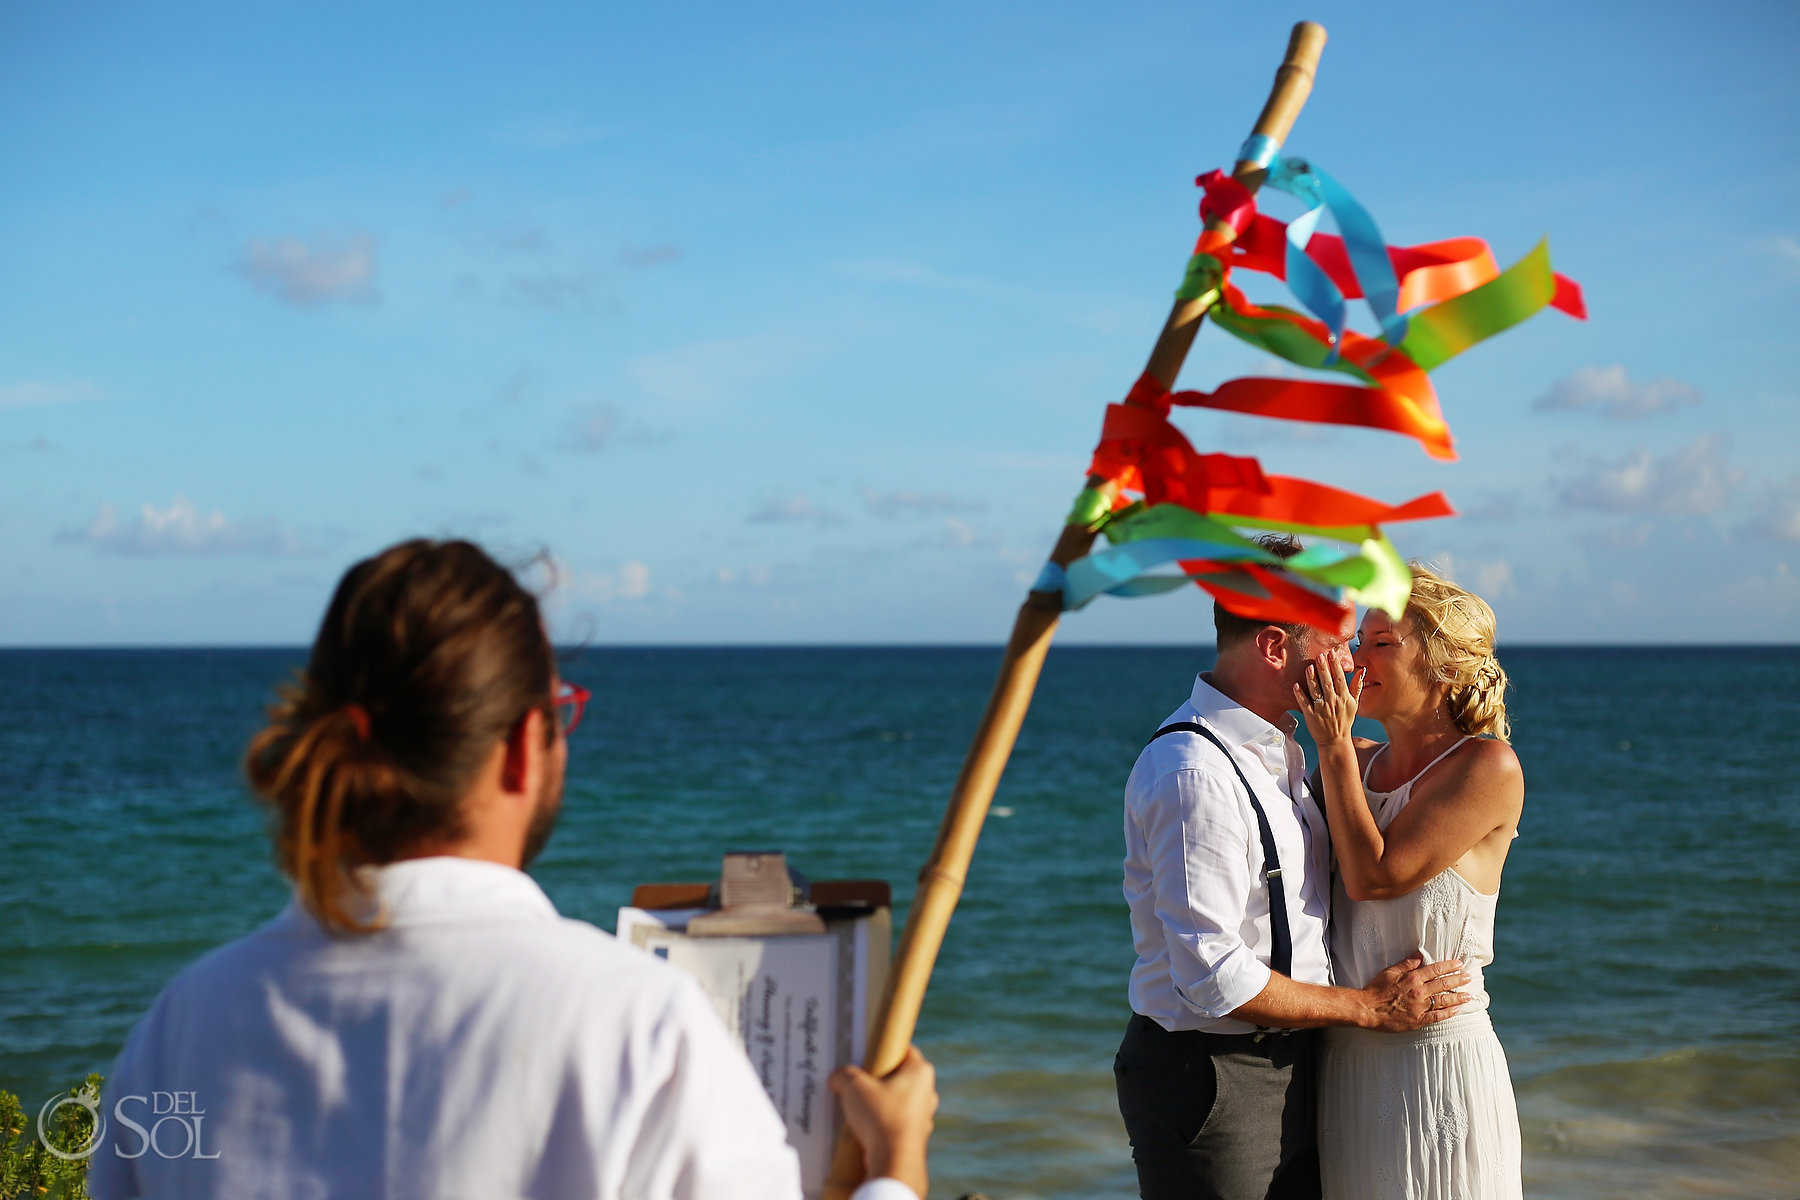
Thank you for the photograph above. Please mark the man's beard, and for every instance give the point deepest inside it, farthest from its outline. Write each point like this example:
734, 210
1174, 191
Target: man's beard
543, 817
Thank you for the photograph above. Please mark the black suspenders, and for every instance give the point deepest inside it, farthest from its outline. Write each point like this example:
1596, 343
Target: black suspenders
1281, 956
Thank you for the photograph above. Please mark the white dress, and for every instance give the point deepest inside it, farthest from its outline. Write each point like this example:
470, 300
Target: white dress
1427, 1115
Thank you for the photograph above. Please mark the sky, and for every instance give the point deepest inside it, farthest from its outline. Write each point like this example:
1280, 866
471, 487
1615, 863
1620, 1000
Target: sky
795, 323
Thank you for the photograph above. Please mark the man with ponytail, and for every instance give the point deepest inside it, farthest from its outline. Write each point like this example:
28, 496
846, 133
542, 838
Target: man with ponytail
420, 1022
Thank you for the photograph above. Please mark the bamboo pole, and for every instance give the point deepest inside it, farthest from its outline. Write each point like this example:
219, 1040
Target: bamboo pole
941, 880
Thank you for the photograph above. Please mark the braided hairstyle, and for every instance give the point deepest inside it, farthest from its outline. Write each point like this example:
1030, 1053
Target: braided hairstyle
430, 654
1458, 630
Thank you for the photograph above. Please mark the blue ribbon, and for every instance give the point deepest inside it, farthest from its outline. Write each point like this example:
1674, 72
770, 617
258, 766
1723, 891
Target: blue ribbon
1120, 569
1052, 579
1259, 149
1363, 242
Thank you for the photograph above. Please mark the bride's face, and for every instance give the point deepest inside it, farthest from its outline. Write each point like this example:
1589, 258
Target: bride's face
1395, 678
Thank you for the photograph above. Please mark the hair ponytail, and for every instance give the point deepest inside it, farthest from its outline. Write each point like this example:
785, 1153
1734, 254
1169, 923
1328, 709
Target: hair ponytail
429, 654
1458, 628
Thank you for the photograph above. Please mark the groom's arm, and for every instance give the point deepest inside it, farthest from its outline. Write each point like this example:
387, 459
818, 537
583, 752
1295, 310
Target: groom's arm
1403, 997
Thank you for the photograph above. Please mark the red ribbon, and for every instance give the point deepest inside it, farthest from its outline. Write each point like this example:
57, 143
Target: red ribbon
1142, 452
1428, 272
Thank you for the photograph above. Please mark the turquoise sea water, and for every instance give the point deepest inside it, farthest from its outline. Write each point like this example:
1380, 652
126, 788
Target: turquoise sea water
1647, 985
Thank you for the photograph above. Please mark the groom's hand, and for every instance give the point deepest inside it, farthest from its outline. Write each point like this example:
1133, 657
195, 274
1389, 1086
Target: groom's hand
1412, 994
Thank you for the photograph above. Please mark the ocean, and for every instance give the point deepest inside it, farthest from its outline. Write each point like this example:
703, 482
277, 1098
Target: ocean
1646, 985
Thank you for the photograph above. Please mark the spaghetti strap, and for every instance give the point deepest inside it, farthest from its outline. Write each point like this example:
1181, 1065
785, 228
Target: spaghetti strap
1378, 752
1440, 758
1407, 786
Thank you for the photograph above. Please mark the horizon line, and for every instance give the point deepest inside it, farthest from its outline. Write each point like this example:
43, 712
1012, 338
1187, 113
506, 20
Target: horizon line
857, 645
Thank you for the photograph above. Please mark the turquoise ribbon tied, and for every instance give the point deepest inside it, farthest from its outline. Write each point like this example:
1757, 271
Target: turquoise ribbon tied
1363, 242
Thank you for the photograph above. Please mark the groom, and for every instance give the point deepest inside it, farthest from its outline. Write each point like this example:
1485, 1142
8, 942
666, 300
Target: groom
1228, 875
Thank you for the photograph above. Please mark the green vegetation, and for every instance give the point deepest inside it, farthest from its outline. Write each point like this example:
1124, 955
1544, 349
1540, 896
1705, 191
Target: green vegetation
28, 1170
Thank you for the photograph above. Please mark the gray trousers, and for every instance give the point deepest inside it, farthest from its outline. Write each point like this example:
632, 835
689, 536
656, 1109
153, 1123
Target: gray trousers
1219, 1116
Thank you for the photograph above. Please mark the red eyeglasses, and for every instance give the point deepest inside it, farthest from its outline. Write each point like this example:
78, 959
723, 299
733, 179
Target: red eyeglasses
570, 701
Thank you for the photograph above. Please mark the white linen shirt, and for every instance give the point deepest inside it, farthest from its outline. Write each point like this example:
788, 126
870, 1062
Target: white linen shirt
479, 1045
1194, 866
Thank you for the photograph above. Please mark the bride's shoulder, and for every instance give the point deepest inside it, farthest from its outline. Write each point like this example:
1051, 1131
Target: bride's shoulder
1491, 755
1490, 767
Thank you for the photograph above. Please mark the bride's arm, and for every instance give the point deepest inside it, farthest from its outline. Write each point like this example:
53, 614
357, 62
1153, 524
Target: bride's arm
1480, 791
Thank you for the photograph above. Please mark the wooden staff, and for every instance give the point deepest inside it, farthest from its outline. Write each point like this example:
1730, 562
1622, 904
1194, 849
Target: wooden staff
941, 880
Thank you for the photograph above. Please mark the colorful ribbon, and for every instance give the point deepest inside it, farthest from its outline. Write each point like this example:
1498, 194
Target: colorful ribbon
1168, 504
1362, 241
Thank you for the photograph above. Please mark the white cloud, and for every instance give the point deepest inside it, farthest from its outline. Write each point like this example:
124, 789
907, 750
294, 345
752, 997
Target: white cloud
1492, 507
554, 289
631, 581
702, 373
518, 386
593, 428
914, 274
564, 587
1626, 536
908, 503
786, 507
562, 132
38, 393
650, 256
1778, 513
304, 275
1787, 249
755, 576
180, 529
954, 533
1493, 579
1612, 392
1239, 432
1691, 480
528, 238
602, 426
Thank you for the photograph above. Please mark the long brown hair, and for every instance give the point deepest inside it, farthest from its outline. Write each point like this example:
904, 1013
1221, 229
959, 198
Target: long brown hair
429, 654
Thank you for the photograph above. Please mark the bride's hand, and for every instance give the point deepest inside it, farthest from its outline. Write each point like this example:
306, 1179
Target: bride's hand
1328, 701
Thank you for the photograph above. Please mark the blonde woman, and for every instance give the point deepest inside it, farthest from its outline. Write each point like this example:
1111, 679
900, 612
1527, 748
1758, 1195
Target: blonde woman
1420, 826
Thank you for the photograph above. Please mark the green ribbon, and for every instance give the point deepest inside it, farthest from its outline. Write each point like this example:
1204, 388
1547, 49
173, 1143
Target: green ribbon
1201, 282
1373, 575
1434, 335
1090, 508
1283, 339
1443, 331
1174, 521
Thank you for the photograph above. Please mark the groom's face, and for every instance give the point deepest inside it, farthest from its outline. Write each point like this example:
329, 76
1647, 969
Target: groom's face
1307, 648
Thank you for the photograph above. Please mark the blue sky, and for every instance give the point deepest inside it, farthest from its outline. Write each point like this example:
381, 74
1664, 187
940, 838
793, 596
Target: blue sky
796, 323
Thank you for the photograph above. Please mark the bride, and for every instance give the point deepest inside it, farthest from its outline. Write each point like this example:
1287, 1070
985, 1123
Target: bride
1420, 827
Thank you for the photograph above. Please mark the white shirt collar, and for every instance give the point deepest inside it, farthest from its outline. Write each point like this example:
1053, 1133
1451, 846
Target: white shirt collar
420, 891
1236, 722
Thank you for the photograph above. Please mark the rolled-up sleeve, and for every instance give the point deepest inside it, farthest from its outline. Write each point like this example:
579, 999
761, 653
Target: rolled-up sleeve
1199, 844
